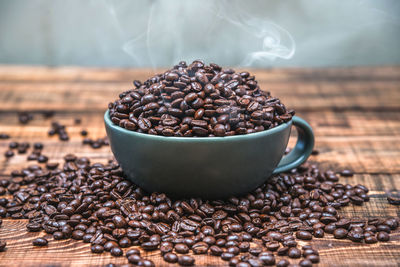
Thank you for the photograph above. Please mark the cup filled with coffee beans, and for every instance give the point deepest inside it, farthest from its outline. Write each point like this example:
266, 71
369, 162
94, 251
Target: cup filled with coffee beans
200, 130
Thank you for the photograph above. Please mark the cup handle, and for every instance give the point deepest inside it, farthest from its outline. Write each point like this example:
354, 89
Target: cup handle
302, 150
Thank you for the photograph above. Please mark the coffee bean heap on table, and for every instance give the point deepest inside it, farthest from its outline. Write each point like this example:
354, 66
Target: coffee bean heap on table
198, 100
96, 204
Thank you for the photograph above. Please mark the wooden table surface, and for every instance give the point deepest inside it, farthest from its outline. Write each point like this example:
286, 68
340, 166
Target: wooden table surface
355, 113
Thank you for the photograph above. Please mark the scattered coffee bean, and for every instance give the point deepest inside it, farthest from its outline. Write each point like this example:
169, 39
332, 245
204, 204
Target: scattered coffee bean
40, 242
282, 263
186, 260
116, 252
346, 173
97, 249
24, 117
9, 154
305, 263
3, 245
294, 253
170, 257
84, 132
304, 235
393, 197
383, 236
4, 136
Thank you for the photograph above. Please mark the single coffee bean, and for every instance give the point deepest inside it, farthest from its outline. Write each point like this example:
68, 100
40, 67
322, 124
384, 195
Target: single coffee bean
383, 236
134, 258
170, 257
181, 248
216, 251
304, 235
282, 263
97, 249
116, 252
3, 245
40, 242
340, 233
186, 260
294, 253
305, 263
346, 173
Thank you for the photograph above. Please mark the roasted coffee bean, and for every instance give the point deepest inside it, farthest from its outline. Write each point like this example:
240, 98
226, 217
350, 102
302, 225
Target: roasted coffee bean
393, 197
383, 236
181, 248
97, 249
4, 136
340, 233
305, 263
186, 260
170, 257
346, 173
294, 253
116, 252
40, 242
216, 251
3, 245
304, 235
282, 263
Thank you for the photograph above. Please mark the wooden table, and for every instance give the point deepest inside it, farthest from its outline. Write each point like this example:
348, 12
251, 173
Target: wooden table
355, 113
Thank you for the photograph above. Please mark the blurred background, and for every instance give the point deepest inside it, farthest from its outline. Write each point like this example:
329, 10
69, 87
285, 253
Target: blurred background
137, 33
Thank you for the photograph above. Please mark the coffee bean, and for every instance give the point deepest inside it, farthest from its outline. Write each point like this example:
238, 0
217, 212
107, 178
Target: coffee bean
313, 258
294, 253
40, 242
282, 263
134, 259
393, 197
340, 233
4, 136
116, 252
383, 236
181, 248
9, 154
3, 245
267, 259
305, 263
303, 235
185, 260
346, 173
216, 251
170, 257
97, 249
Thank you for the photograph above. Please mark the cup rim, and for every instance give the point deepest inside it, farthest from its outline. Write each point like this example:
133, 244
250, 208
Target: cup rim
278, 128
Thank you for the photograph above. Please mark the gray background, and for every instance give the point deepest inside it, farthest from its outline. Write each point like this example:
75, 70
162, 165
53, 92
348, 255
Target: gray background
160, 33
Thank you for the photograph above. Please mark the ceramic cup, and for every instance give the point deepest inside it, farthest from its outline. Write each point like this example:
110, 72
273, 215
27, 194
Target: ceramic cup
208, 167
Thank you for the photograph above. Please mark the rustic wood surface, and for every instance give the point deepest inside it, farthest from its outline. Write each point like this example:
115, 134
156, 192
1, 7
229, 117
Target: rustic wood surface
355, 113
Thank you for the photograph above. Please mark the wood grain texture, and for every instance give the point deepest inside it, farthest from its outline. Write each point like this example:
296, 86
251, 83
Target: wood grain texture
355, 113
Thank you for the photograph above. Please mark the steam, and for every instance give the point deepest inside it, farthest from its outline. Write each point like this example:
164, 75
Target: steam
276, 42
191, 30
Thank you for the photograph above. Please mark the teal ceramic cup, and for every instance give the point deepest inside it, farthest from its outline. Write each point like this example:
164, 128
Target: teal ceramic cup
207, 167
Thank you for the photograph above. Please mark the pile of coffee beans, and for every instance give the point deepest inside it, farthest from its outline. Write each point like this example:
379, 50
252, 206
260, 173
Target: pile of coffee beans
94, 202
198, 100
